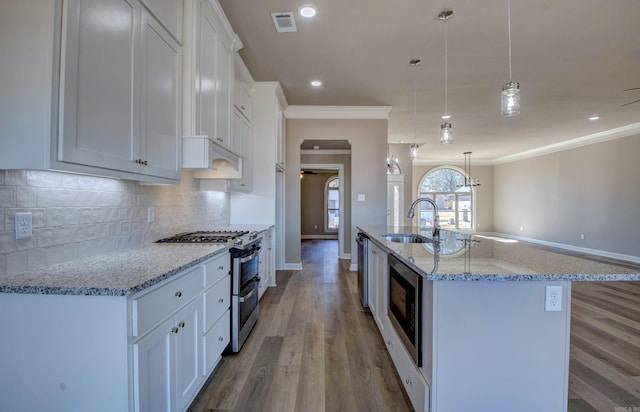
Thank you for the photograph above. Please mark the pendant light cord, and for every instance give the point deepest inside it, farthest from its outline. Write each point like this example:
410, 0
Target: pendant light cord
446, 77
509, 31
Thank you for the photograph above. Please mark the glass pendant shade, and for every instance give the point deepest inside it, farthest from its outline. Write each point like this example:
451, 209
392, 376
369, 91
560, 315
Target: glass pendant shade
510, 99
446, 135
413, 151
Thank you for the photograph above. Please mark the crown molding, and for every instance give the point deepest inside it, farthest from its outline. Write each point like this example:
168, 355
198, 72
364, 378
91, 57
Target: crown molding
338, 112
617, 133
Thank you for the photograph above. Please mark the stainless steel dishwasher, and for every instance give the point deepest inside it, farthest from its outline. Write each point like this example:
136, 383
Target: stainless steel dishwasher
363, 245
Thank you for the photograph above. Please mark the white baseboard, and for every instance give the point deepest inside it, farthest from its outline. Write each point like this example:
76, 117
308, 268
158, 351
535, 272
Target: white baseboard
346, 256
596, 252
319, 237
293, 266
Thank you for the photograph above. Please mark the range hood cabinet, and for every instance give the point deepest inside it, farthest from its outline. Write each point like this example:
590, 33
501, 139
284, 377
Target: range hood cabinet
210, 160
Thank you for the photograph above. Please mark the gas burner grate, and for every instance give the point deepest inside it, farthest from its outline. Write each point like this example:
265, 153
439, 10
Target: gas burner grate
218, 236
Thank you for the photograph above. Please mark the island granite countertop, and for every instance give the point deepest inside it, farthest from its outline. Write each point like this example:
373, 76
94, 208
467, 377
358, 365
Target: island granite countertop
118, 273
461, 256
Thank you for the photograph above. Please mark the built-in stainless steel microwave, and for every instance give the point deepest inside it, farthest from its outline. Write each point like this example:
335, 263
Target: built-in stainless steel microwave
405, 306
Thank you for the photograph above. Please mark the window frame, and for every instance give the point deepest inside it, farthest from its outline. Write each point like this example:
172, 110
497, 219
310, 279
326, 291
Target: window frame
326, 203
456, 211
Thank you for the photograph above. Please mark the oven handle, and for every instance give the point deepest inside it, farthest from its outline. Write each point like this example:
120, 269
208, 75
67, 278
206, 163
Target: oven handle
241, 299
248, 258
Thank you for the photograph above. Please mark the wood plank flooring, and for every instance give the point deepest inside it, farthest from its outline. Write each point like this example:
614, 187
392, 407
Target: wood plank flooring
604, 357
314, 348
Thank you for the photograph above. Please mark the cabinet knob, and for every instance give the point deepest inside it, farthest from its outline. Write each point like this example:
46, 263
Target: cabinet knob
221, 300
144, 162
220, 139
175, 329
220, 338
409, 381
181, 324
374, 252
242, 184
243, 108
178, 294
220, 267
389, 343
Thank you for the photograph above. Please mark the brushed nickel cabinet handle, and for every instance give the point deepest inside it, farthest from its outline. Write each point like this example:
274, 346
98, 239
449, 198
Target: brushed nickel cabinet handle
175, 329
221, 300
178, 294
220, 267
220, 338
181, 324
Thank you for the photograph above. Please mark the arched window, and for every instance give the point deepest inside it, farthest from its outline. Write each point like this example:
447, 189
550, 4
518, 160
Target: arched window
332, 205
446, 186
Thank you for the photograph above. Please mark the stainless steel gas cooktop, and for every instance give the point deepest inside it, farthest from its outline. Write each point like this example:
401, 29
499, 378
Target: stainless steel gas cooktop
221, 236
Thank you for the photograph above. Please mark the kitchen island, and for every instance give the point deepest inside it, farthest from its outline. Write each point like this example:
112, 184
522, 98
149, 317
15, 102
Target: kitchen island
488, 340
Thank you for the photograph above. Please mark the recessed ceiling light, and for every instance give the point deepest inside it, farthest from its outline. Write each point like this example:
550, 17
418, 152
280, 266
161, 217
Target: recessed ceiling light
307, 11
316, 83
594, 118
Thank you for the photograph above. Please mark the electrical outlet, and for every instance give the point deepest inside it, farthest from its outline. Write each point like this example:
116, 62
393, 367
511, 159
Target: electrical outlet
150, 215
553, 299
23, 225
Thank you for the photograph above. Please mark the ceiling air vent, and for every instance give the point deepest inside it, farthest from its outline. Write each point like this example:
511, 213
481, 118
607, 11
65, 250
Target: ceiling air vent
284, 22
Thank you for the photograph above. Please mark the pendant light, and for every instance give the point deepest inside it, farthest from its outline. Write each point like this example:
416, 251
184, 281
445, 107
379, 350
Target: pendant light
510, 98
413, 149
468, 180
446, 134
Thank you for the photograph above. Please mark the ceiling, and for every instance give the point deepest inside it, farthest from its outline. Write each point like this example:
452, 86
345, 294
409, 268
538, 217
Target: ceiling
572, 58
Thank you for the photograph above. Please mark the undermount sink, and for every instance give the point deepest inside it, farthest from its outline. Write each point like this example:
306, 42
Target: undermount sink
406, 238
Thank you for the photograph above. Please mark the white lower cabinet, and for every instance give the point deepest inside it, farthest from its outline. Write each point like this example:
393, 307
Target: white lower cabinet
179, 331
413, 381
167, 362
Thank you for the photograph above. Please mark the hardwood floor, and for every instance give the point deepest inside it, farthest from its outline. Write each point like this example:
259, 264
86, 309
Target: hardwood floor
604, 365
314, 348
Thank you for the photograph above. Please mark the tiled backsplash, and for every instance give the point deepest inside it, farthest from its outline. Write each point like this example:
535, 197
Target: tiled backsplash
75, 216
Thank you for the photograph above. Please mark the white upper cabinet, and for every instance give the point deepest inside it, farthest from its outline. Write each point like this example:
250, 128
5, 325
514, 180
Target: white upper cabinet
210, 45
243, 100
169, 14
109, 101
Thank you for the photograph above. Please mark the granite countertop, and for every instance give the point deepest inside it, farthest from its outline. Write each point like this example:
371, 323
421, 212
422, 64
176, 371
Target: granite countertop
119, 273
481, 257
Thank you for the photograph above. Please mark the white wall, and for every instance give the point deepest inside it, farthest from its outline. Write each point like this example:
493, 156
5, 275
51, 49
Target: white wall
75, 216
592, 190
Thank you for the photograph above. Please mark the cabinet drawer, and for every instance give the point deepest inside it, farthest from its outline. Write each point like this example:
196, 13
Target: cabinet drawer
151, 308
216, 301
217, 269
412, 380
215, 341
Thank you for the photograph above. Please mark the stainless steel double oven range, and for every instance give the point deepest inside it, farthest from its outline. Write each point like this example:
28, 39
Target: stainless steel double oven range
244, 276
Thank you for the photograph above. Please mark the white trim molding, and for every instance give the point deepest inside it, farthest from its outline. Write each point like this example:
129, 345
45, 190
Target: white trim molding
617, 133
337, 112
293, 266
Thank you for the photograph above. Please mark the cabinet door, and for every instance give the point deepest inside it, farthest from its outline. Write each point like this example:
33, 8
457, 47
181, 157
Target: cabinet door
243, 145
280, 137
97, 93
205, 77
188, 357
153, 357
225, 78
161, 78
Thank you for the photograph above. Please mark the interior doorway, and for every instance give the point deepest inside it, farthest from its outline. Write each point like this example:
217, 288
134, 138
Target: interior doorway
318, 211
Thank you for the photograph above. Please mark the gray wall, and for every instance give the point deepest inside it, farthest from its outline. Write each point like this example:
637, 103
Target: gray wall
312, 204
483, 194
401, 152
368, 140
592, 190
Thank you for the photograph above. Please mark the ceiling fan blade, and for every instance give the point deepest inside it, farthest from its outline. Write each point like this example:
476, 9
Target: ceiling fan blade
627, 104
